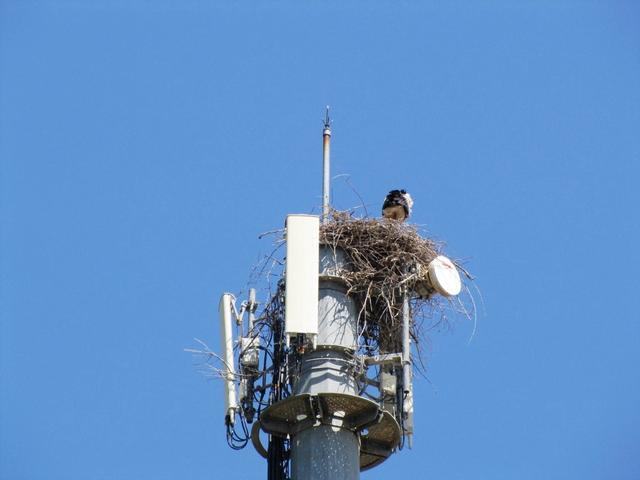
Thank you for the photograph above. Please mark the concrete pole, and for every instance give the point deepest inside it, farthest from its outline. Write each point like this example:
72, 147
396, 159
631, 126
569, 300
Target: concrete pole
327, 452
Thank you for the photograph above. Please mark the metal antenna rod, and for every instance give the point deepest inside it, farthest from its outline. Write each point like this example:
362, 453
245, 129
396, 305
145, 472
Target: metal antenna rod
326, 165
406, 342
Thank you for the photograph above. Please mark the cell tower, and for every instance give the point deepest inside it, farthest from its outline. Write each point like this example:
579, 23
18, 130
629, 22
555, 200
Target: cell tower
331, 401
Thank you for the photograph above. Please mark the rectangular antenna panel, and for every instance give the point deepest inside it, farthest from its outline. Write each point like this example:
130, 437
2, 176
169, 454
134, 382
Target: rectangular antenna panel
301, 277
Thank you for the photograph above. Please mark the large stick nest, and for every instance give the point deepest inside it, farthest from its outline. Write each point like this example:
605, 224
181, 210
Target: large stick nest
385, 257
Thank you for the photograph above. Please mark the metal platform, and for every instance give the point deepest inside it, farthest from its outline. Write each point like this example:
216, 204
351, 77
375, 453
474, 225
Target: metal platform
379, 441
299, 412
379, 432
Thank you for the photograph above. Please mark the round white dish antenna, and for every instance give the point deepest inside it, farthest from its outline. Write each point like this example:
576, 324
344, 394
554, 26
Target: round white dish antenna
444, 276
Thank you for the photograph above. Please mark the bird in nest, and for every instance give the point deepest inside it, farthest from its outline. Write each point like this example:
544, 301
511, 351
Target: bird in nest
397, 205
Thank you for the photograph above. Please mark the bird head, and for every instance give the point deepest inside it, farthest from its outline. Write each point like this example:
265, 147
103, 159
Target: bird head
408, 199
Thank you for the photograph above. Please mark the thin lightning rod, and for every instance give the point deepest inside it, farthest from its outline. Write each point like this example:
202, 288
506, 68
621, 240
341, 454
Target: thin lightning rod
326, 165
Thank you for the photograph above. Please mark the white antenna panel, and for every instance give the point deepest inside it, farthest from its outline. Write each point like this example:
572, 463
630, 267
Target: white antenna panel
228, 368
444, 276
301, 277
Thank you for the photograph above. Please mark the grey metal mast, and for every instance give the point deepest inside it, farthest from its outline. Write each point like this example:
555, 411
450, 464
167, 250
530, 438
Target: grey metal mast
329, 451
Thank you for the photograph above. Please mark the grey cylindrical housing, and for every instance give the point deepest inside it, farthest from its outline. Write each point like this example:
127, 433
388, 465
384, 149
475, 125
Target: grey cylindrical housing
326, 452
337, 312
326, 371
336, 317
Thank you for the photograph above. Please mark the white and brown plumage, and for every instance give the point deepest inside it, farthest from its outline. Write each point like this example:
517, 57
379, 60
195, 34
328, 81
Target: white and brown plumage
397, 205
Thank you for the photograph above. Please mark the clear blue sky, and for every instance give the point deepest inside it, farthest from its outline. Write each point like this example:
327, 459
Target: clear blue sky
145, 144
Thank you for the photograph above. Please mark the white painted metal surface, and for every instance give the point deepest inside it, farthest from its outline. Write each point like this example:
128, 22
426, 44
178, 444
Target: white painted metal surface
406, 342
301, 277
408, 412
444, 276
228, 368
326, 166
